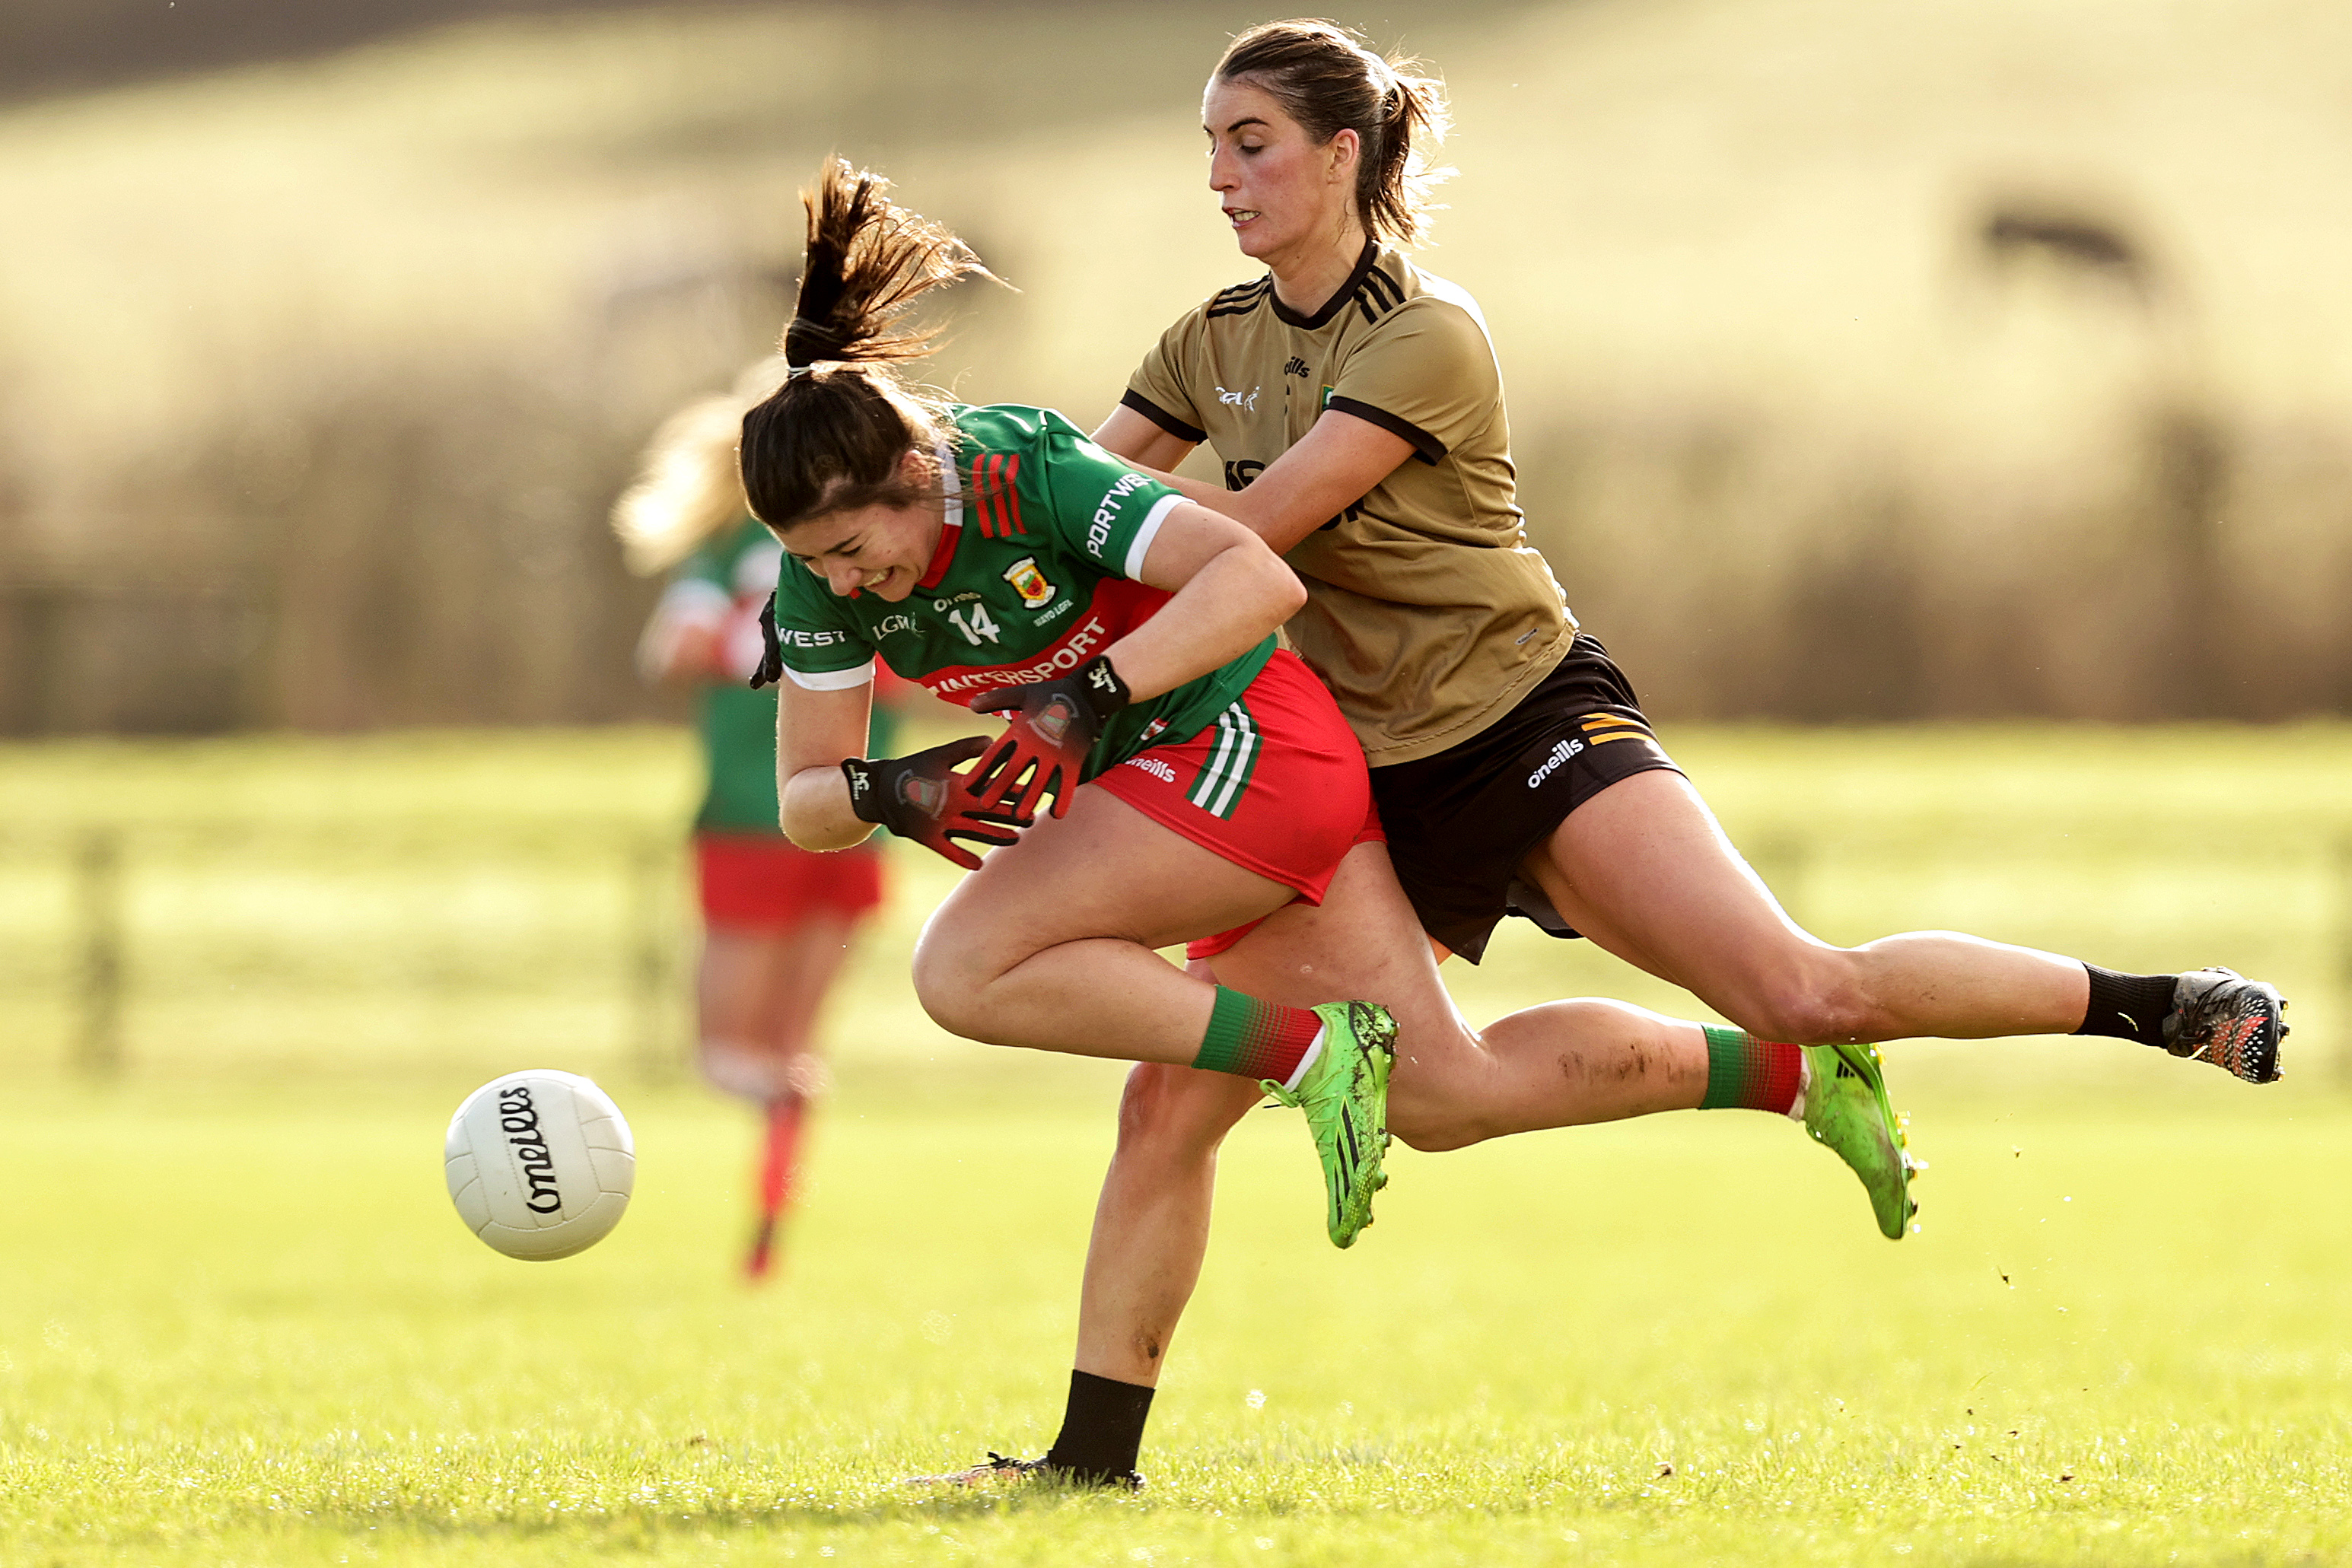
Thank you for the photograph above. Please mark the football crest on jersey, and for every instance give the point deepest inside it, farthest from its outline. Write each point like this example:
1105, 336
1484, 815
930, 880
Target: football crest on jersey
1030, 583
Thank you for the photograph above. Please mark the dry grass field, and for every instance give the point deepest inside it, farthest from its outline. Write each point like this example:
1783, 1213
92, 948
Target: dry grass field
343, 359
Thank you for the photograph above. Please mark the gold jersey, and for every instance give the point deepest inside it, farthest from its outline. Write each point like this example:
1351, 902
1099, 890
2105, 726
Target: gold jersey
1429, 615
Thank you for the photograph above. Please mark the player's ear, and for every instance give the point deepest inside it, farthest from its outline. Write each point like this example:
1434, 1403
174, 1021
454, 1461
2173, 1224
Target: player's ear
1343, 149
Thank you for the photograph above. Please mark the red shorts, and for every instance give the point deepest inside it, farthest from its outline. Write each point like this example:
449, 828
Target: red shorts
762, 880
1277, 785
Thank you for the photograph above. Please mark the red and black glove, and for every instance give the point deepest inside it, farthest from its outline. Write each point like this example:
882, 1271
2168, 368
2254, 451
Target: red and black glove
1052, 727
922, 797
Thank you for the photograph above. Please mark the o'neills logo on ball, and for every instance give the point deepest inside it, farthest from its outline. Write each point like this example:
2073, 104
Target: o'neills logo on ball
519, 1120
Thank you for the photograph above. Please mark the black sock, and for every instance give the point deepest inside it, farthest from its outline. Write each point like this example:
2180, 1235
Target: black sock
2128, 1006
1102, 1428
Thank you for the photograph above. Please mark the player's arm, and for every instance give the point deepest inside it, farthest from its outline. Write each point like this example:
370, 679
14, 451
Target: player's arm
833, 795
1230, 593
816, 731
1143, 443
1334, 465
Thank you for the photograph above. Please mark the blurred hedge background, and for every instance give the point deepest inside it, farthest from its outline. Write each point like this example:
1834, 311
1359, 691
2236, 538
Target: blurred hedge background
1959, 358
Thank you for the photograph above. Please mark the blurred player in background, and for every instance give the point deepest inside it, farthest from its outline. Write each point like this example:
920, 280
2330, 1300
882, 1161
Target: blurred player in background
776, 918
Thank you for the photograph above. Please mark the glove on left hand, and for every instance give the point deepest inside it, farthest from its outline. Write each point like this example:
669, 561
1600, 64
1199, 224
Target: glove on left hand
1053, 725
771, 649
917, 797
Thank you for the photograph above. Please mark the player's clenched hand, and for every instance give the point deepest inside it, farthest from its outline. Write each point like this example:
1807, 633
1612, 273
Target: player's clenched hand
1051, 728
922, 798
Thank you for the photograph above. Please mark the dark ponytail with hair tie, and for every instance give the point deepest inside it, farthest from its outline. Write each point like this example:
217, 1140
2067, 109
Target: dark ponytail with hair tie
831, 438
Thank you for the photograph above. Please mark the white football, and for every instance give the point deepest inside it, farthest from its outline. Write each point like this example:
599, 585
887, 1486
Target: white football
539, 1163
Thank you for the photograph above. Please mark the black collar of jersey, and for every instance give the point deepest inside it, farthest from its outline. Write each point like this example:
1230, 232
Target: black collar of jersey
1340, 295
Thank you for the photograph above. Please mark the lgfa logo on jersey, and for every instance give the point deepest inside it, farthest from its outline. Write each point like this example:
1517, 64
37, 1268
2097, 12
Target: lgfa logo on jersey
1030, 583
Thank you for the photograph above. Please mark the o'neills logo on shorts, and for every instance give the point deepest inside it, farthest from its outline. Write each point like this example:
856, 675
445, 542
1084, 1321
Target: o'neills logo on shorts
1156, 768
1555, 762
519, 1120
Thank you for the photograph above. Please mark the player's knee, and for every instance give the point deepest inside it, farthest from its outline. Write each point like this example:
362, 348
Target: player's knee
1812, 1010
949, 985
1175, 1113
1434, 1110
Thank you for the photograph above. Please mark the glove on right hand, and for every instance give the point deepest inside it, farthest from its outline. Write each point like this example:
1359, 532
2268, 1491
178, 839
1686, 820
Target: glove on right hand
922, 797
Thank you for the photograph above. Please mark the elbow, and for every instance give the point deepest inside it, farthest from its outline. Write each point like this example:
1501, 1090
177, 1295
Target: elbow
812, 817
1284, 593
818, 831
820, 840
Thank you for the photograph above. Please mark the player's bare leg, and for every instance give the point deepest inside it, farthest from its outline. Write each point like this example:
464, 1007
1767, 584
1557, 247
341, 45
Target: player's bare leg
1644, 869
1562, 1064
1152, 1222
1051, 943
759, 992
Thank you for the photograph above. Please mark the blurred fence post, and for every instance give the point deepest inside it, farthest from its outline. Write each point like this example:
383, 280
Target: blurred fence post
98, 908
652, 857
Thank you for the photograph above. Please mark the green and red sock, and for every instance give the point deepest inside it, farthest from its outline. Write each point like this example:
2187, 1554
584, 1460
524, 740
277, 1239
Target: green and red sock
1744, 1073
1252, 1038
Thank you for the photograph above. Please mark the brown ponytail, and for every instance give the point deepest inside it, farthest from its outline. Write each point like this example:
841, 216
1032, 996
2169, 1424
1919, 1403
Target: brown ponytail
1327, 78
830, 439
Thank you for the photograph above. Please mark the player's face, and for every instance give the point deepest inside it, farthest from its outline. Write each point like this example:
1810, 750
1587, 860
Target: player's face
1285, 196
882, 548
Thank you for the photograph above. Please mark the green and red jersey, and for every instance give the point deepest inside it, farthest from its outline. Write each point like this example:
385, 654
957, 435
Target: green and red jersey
721, 587
1036, 575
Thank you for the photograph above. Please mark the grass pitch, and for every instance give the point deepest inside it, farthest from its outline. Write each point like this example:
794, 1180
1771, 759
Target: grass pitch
252, 1333
241, 1325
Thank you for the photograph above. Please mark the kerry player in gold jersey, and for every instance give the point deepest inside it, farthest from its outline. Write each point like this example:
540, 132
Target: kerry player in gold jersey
1205, 785
1357, 406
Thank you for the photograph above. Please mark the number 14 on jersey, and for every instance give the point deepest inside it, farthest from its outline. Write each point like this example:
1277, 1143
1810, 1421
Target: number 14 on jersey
972, 620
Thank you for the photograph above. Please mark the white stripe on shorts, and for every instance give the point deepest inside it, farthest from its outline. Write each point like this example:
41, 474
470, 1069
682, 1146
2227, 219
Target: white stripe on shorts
1229, 765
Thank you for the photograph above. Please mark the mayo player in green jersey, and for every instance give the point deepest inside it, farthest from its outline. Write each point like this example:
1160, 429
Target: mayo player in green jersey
998, 556
776, 919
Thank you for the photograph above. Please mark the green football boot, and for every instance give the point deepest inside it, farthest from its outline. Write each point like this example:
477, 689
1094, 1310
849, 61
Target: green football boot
1846, 1108
1345, 1097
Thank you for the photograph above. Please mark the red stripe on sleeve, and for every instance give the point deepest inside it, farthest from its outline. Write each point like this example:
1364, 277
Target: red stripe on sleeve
979, 496
1012, 499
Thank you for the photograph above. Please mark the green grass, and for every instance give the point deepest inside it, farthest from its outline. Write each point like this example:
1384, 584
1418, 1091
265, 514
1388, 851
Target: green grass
241, 1327
251, 1333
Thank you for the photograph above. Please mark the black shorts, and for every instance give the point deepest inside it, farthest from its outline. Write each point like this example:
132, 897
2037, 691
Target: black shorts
1460, 823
